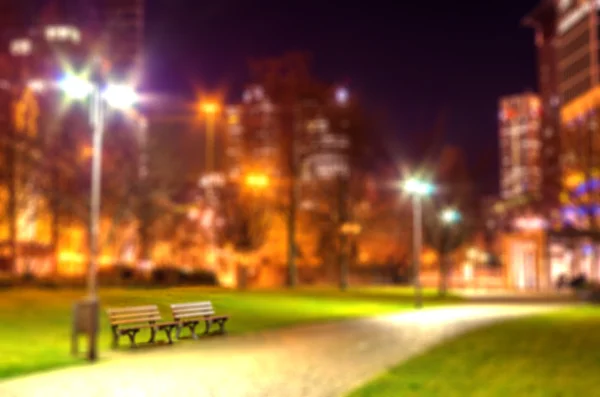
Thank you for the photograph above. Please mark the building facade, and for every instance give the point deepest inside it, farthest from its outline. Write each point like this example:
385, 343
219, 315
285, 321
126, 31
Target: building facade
543, 19
520, 144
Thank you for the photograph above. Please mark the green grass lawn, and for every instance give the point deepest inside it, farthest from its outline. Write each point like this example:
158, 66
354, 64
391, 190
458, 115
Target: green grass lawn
35, 324
551, 355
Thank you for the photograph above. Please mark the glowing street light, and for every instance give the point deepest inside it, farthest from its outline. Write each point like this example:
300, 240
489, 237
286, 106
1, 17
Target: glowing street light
450, 216
76, 87
418, 189
259, 181
120, 96
209, 107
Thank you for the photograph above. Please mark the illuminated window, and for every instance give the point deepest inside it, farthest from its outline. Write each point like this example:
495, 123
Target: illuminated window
21, 47
62, 33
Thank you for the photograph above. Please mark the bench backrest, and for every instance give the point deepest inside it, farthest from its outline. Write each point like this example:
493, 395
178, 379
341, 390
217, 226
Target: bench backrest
133, 315
181, 311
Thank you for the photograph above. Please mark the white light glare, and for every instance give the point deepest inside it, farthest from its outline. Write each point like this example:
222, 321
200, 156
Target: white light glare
120, 96
418, 187
450, 215
76, 87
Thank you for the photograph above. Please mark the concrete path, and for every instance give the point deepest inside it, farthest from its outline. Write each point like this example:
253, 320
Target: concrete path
325, 360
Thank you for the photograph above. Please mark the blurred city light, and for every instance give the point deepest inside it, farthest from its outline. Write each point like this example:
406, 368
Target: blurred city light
418, 187
76, 87
120, 96
257, 180
342, 95
37, 85
209, 107
450, 216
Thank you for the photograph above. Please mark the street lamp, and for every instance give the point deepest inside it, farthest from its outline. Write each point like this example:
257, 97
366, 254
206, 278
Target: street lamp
119, 97
257, 181
418, 189
210, 109
450, 216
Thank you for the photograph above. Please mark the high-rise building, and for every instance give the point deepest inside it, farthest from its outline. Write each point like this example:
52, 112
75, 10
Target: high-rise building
567, 34
543, 19
124, 27
520, 145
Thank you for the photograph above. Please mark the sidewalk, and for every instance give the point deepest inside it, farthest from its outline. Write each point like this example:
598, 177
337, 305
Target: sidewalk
325, 360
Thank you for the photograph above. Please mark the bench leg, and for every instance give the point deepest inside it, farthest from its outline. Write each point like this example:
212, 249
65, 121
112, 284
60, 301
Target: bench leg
207, 324
132, 335
152, 335
192, 327
168, 329
178, 331
221, 323
115, 338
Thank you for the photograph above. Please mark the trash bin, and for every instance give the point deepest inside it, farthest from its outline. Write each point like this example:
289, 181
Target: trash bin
85, 322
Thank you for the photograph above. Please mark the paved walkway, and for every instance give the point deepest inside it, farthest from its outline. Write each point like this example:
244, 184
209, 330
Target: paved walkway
325, 360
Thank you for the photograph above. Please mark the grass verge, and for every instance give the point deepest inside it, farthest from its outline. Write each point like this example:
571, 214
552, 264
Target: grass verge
35, 324
554, 354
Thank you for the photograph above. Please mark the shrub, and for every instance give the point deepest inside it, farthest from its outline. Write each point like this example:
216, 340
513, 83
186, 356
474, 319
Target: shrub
167, 275
118, 274
593, 292
200, 277
48, 284
28, 277
7, 282
579, 282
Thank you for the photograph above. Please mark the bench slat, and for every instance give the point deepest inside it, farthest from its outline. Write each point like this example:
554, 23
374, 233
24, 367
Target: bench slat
182, 306
123, 310
132, 315
136, 321
192, 309
191, 315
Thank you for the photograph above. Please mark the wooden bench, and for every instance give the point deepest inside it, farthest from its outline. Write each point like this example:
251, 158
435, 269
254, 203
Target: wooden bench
131, 320
191, 314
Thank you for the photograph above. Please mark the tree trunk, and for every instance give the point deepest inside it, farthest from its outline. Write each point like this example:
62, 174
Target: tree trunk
293, 165
12, 159
444, 273
55, 208
291, 234
343, 241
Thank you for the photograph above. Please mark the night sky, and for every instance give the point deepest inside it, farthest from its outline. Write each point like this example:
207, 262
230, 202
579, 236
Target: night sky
409, 61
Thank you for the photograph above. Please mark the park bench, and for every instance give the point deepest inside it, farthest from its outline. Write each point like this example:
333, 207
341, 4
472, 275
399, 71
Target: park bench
191, 314
131, 320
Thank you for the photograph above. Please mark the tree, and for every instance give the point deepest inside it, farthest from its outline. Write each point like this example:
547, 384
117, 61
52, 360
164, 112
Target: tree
288, 84
454, 192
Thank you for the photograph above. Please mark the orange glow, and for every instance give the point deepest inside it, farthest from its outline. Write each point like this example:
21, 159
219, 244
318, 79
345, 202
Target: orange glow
233, 119
429, 257
86, 152
580, 105
211, 257
574, 179
209, 107
257, 180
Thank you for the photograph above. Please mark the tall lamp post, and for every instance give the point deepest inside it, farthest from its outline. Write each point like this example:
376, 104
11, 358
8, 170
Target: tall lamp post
118, 97
449, 217
417, 189
210, 110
